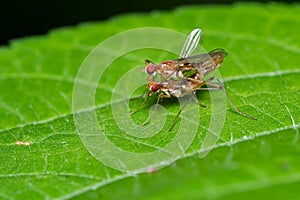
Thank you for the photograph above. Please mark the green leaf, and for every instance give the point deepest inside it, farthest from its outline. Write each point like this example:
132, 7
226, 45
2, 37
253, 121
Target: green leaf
43, 156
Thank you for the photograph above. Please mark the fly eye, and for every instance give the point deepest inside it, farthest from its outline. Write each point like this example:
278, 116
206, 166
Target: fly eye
155, 87
150, 68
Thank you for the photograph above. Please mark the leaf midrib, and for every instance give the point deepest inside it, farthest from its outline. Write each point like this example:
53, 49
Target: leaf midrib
244, 185
233, 188
225, 80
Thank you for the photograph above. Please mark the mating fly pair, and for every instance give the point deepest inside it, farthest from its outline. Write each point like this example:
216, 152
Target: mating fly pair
184, 76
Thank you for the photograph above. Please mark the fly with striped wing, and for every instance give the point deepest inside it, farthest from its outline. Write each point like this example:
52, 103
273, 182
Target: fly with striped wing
185, 75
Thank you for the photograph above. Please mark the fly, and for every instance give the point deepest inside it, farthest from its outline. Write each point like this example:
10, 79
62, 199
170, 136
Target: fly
169, 69
184, 76
194, 66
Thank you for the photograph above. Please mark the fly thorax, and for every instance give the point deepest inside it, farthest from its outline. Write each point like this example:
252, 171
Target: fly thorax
166, 65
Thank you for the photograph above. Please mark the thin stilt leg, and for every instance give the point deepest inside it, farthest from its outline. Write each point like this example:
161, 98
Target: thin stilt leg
176, 117
220, 86
150, 115
139, 107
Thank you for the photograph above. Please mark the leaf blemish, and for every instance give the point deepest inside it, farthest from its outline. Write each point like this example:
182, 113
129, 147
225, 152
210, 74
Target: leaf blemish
22, 143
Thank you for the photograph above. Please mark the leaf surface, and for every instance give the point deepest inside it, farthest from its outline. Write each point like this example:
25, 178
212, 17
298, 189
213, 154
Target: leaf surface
42, 155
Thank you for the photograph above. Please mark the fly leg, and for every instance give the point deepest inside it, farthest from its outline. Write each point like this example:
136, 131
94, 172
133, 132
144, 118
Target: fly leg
175, 119
159, 97
179, 112
220, 86
141, 104
197, 102
198, 84
181, 109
